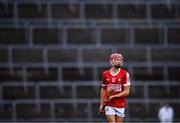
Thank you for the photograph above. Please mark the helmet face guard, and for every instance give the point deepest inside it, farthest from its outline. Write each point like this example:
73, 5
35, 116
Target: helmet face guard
116, 59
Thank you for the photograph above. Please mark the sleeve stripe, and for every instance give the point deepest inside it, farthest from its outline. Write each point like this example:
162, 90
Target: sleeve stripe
127, 84
128, 80
103, 85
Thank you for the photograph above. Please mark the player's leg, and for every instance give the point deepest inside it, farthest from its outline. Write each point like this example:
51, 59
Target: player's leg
110, 114
119, 114
118, 119
111, 118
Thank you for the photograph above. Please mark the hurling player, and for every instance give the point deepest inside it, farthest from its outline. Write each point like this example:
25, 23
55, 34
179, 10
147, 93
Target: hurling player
115, 87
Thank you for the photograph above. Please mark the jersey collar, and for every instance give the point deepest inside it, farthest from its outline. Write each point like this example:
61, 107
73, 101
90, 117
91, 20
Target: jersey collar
116, 73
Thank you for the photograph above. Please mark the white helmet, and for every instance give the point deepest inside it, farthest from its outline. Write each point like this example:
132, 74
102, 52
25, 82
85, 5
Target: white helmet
116, 57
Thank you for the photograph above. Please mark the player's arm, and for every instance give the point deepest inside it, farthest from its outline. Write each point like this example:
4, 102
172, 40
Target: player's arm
103, 90
102, 95
124, 93
102, 101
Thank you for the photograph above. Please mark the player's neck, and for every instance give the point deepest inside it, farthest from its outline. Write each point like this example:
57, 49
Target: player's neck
114, 70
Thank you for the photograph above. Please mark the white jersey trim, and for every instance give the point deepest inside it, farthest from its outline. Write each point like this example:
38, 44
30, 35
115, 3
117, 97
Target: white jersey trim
115, 73
103, 85
128, 80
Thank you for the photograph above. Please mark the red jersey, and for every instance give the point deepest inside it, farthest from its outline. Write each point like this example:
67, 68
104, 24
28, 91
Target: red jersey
117, 83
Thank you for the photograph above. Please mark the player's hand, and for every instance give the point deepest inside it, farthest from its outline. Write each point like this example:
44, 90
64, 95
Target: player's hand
100, 109
109, 99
